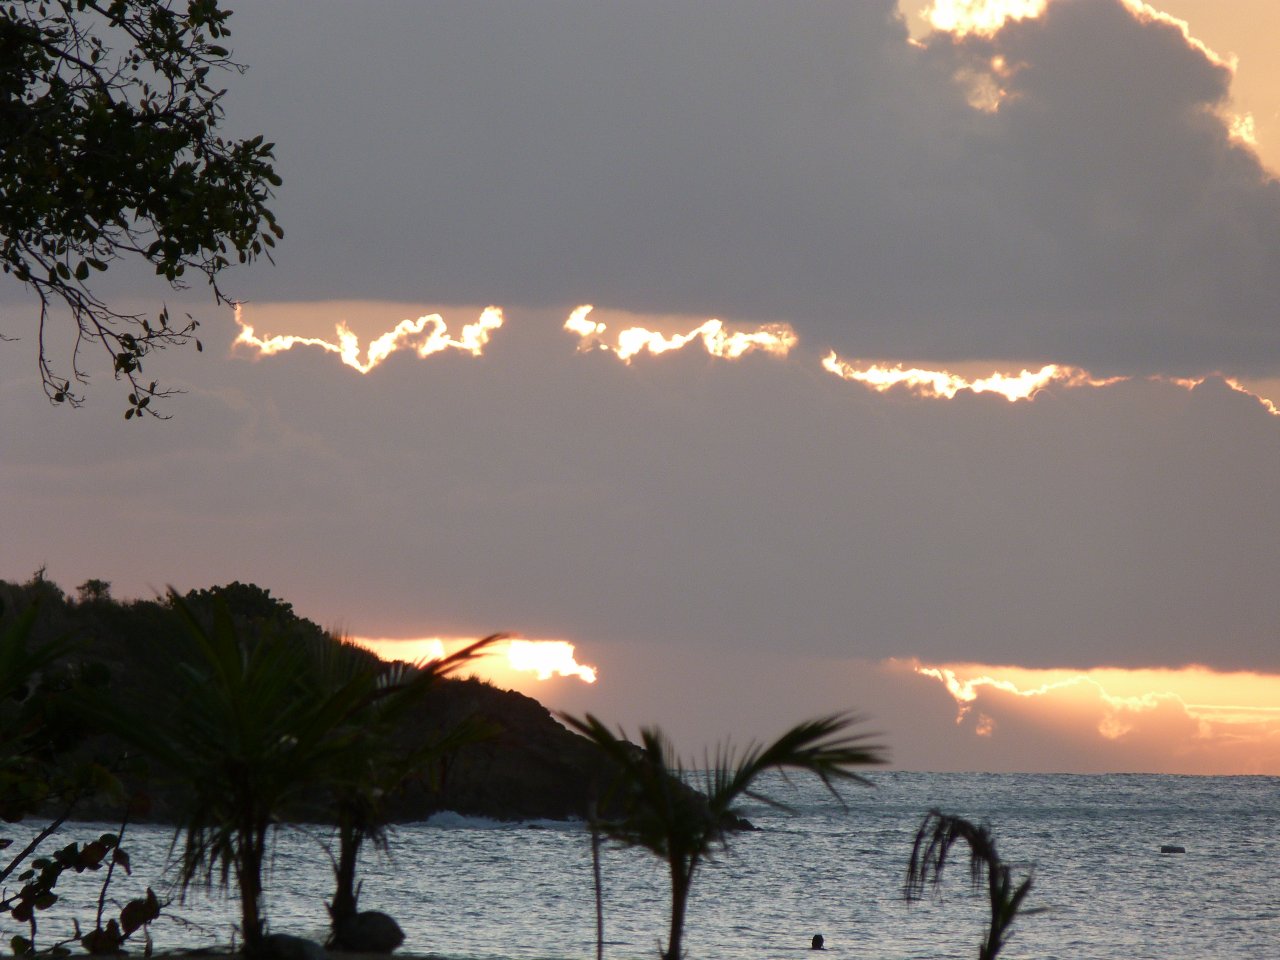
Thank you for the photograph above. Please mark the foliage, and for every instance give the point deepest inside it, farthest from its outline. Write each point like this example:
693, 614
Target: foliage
42, 768
109, 117
375, 765
658, 811
268, 719
247, 739
37, 893
929, 854
93, 590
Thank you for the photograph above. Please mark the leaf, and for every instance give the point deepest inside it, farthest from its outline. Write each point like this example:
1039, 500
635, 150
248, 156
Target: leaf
138, 913
103, 941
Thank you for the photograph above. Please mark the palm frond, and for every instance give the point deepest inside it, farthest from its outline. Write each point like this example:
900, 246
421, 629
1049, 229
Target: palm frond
652, 805
930, 852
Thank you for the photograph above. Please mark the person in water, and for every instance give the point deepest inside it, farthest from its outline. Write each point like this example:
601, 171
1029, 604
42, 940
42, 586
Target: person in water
817, 942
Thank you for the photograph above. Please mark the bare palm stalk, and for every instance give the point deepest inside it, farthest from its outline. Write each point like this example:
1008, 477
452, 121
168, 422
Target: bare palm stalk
593, 817
929, 854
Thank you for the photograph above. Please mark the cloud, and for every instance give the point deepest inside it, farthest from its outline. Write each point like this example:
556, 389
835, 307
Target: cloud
805, 165
718, 530
1107, 720
682, 498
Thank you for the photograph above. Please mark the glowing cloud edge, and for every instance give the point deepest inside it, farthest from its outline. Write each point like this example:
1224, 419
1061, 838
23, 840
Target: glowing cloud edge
428, 335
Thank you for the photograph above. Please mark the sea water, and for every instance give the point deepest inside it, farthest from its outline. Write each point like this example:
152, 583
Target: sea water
469, 889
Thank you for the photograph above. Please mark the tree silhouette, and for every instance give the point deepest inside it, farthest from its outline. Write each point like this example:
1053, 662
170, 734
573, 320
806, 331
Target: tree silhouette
656, 808
248, 736
110, 119
929, 854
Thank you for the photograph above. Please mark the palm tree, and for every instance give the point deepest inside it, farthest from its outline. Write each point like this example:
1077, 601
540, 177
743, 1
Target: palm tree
937, 835
246, 736
659, 811
374, 766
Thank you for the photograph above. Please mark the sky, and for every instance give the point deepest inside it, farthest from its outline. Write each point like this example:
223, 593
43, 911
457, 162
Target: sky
982, 444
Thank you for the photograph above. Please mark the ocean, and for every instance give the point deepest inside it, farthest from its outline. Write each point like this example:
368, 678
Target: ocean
468, 889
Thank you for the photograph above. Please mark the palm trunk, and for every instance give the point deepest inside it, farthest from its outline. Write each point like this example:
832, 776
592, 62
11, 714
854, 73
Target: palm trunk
249, 872
997, 893
681, 882
595, 873
345, 894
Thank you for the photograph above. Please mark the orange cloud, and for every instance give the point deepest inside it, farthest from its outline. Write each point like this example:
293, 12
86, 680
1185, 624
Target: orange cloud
1188, 720
941, 384
983, 17
776, 339
424, 336
428, 335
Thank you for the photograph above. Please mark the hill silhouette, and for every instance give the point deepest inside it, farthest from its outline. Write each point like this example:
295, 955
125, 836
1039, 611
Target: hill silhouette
527, 766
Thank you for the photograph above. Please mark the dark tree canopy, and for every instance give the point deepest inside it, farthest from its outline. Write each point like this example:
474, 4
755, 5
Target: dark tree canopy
109, 119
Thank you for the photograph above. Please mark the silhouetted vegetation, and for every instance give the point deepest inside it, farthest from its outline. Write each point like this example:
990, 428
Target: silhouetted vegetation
46, 771
252, 716
929, 855
657, 811
113, 150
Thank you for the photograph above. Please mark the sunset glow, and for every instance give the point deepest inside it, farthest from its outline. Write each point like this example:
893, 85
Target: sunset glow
935, 384
1146, 13
547, 658
986, 17
543, 659
983, 17
775, 339
427, 335
424, 336
1238, 387
1200, 719
941, 384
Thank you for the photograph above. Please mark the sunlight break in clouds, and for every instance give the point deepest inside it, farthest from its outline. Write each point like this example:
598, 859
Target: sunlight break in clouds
1236, 385
983, 17
427, 335
542, 658
424, 336
1190, 712
986, 17
944, 385
940, 384
775, 339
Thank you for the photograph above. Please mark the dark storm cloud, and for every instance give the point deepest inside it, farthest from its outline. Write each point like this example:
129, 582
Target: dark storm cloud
761, 161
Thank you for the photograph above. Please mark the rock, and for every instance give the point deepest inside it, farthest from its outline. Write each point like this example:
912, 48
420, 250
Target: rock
1172, 848
282, 946
368, 932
